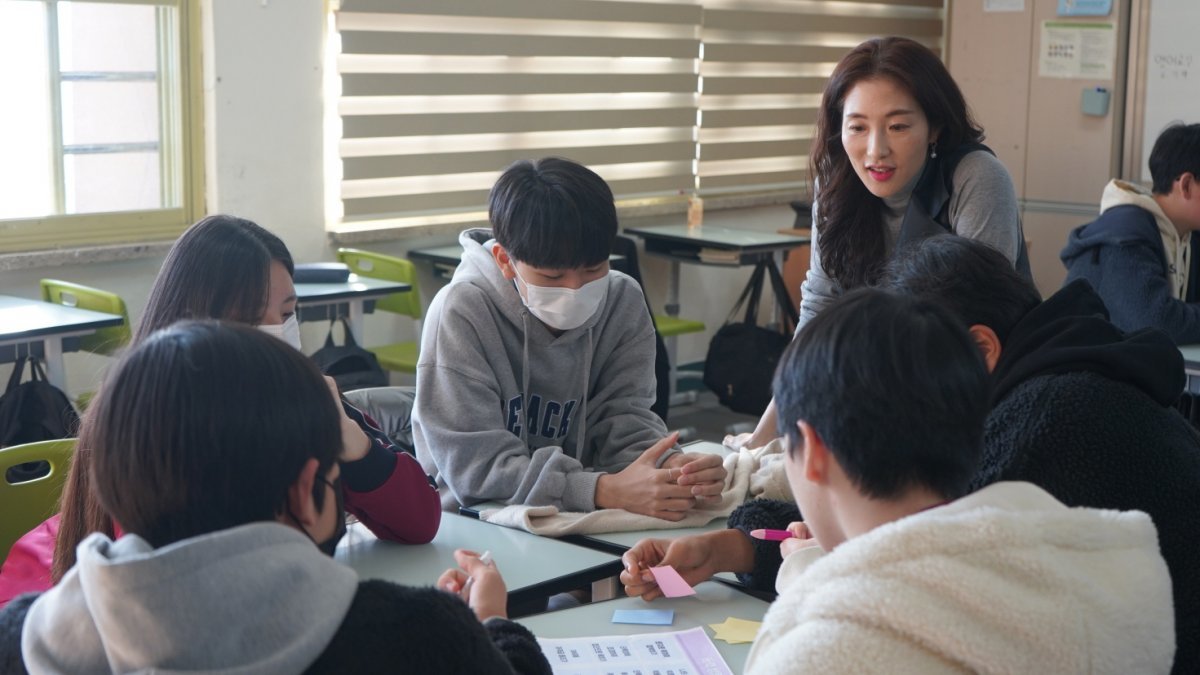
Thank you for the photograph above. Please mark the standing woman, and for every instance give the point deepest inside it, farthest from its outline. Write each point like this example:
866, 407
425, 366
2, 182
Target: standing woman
897, 157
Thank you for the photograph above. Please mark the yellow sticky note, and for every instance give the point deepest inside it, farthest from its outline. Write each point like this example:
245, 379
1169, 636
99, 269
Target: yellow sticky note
736, 631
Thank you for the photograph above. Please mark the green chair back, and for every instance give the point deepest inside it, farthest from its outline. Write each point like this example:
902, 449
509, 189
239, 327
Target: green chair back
106, 340
391, 268
26, 505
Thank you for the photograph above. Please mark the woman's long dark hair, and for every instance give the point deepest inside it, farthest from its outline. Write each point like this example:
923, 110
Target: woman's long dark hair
220, 268
849, 218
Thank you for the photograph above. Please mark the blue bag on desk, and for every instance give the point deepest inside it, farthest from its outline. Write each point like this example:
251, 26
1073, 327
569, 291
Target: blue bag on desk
742, 355
35, 410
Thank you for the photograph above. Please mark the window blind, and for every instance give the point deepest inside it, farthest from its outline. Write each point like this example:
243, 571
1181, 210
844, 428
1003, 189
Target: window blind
764, 65
437, 98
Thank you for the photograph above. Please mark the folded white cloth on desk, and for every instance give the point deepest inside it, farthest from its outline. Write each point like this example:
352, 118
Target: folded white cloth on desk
741, 469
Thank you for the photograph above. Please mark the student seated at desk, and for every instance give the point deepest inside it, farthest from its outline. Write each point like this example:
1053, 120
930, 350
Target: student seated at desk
536, 374
216, 448
898, 567
1138, 253
230, 268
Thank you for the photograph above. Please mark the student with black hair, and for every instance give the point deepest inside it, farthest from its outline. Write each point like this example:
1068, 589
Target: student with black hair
536, 375
898, 566
216, 448
1077, 408
229, 268
1138, 253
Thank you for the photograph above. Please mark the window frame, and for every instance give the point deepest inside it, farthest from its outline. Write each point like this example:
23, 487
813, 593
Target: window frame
58, 231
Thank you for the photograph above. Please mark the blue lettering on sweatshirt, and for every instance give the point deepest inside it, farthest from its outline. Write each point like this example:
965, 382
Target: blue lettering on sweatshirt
548, 419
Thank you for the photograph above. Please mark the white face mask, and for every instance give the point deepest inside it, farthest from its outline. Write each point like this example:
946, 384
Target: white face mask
288, 331
563, 308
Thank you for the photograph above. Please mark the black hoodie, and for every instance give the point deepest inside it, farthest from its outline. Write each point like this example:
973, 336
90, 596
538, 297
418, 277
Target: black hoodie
1086, 412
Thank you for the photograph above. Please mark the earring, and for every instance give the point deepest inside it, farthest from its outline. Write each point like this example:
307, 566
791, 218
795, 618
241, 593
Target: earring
933, 150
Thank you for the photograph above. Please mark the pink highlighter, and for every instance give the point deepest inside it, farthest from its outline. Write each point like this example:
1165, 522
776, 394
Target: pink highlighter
771, 535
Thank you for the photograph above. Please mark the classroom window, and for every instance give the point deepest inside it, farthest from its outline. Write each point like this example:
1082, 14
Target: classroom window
431, 99
100, 146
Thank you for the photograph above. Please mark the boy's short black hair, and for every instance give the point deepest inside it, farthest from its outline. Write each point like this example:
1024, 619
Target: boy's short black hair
553, 213
1176, 152
971, 279
894, 386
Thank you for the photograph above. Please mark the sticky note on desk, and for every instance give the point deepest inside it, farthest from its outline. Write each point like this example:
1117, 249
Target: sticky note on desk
736, 631
672, 585
650, 617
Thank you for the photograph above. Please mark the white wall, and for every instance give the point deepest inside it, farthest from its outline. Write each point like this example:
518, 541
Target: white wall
263, 132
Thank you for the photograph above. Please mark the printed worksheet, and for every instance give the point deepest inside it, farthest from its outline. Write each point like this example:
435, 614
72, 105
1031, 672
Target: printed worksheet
687, 652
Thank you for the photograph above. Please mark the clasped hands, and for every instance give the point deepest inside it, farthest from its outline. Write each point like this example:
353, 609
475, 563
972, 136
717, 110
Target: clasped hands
666, 492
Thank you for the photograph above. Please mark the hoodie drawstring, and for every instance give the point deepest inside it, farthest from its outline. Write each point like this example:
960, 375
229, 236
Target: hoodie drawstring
581, 425
524, 375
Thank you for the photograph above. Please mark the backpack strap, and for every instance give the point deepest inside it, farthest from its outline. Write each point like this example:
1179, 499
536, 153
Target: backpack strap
14, 380
783, 299
749, 297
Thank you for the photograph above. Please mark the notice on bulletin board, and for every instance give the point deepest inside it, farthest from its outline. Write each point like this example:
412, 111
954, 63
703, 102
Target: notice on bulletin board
1004, 5
1078, 50
1084, 7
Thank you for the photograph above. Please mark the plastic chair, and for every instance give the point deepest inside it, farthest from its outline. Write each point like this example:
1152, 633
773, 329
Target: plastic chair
26, 504
105, 340
398, 356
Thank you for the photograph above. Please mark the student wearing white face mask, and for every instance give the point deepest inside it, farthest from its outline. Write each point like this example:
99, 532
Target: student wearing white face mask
231, 269
536, 373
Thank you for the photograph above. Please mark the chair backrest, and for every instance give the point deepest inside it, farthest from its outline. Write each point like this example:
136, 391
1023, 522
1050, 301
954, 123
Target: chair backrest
105, 340
391, 268
26, 504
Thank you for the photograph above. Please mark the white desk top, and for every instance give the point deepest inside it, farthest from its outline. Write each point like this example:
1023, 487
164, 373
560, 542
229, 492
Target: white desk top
523, 558
24, 318
713, 603
719, 237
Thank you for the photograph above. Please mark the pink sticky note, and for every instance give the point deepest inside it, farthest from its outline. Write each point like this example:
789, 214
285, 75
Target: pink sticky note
672, 585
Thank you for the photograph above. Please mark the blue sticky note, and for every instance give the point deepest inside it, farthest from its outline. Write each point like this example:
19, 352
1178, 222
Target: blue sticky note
651, 617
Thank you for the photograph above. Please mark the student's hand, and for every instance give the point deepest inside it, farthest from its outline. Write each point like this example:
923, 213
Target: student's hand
702, 471
696, 558
801, 538
642, 488
487, 595
355, 442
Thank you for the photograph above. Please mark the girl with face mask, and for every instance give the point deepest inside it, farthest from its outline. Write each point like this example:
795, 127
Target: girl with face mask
231, 269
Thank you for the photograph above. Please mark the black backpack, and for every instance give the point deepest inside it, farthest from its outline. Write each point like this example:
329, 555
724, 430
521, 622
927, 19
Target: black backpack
35, 410
351, 366
742, 355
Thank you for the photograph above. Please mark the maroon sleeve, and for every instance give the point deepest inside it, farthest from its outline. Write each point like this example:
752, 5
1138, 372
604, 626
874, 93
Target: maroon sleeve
405, 508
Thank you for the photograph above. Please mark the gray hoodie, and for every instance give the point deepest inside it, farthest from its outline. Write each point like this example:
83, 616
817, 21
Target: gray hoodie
508, 412
259, 598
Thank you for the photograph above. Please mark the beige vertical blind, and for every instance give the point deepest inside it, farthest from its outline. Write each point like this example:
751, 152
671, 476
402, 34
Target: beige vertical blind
765, 64
660, 97
439, 96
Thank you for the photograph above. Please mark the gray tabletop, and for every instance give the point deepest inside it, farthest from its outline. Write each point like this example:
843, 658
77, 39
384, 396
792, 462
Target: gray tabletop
525, 560
719, 237
23, 318
1191, 367
356, 288
713, 603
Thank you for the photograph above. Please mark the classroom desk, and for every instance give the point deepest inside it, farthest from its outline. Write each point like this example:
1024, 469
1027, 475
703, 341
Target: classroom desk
1191, 368
445, 259
531, 565
713, 603
707, 245
323, 301
27, 322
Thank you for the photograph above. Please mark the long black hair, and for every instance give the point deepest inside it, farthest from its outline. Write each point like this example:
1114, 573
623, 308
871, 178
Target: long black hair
849, 218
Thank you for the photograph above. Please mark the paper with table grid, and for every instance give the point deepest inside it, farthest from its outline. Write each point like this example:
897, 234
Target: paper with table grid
685, 652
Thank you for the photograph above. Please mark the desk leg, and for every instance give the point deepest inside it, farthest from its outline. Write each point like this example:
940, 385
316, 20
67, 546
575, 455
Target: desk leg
605, 589
356, 320
671, 342
55, 370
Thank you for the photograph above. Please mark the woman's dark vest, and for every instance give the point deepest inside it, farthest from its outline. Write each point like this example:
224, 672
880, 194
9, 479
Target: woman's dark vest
928, 212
